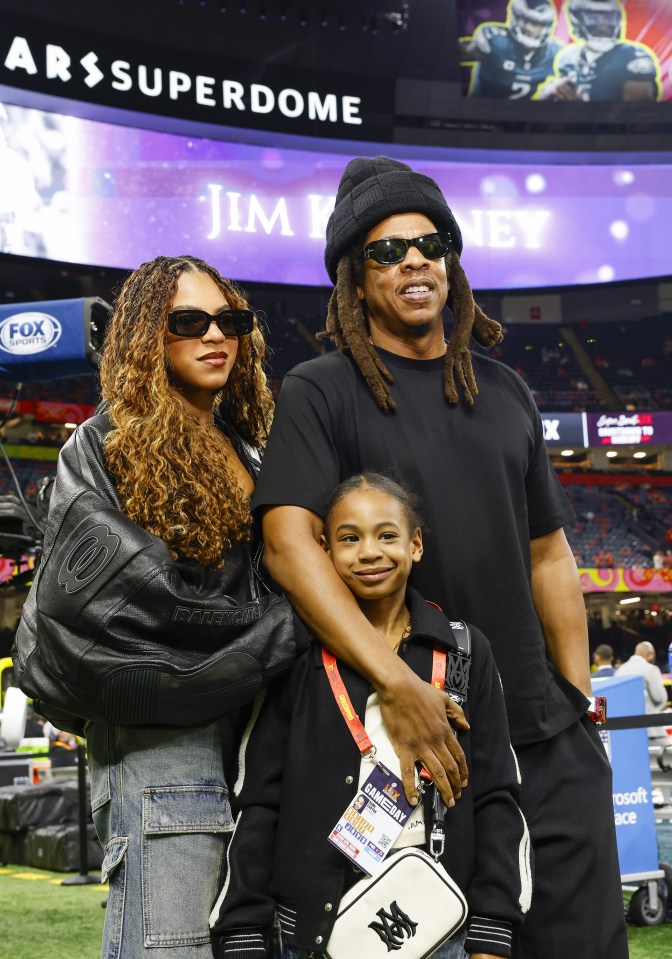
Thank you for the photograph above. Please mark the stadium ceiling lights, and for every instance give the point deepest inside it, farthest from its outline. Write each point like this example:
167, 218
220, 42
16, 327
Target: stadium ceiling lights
325, 16
630, 599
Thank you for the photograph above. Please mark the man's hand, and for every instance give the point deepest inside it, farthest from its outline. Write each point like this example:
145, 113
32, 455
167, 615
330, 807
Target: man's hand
416, 717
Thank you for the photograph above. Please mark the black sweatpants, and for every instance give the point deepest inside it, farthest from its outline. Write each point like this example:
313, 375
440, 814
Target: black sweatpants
577, 901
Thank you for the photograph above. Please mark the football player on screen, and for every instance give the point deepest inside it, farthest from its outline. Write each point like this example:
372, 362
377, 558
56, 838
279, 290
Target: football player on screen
509, 60
601, 64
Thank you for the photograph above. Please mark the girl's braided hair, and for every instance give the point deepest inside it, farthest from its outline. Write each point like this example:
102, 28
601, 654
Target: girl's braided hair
347, 327
381, 483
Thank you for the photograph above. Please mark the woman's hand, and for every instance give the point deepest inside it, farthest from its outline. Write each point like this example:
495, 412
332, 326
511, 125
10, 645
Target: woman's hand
416, 716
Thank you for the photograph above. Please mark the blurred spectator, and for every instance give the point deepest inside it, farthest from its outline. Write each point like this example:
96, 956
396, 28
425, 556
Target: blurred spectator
62, 747
643, 663
603, 658
604, 559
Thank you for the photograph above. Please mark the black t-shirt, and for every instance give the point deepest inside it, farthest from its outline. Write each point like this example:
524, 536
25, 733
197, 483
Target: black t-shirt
486, 486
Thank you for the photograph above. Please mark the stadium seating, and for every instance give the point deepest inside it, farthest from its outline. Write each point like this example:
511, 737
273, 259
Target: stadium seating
634, 358
620, 526
605, 532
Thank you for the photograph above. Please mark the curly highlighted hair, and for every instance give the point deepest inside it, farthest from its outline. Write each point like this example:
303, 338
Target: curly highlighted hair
171, 478
347, 327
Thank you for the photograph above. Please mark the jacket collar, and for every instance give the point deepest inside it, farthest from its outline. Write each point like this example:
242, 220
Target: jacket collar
428, 622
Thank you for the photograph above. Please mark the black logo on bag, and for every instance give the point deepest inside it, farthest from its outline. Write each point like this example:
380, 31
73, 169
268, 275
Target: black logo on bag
457, 675
92, 552
393, 926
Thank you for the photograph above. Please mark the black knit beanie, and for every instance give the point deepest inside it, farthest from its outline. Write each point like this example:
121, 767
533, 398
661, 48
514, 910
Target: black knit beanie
373, 188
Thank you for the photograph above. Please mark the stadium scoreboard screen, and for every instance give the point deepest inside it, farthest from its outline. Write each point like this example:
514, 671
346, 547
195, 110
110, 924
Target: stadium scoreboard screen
113, 151
566, 50
85, 191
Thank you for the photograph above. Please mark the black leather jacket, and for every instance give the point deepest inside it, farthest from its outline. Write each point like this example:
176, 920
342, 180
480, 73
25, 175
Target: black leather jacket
115, 629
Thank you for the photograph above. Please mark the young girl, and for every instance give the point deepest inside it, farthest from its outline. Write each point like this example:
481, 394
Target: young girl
299, 766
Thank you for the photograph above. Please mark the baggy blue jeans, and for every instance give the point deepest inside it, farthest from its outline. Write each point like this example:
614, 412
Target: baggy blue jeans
161, 809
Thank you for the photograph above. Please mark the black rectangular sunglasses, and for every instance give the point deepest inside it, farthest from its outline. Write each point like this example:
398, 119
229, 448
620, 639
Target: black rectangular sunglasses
394, 248
197, 322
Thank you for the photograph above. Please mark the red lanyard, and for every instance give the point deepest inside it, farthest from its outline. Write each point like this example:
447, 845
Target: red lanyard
354, 723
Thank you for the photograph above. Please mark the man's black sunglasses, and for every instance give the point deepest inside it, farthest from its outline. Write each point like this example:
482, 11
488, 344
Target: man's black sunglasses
394, 249
197, 322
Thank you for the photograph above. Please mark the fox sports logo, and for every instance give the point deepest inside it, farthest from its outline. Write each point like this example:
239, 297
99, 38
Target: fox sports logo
26, 333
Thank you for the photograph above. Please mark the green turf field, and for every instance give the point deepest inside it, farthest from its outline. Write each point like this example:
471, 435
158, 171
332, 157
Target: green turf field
42, 919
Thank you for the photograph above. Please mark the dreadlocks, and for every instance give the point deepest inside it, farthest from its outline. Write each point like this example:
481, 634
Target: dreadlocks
348, 329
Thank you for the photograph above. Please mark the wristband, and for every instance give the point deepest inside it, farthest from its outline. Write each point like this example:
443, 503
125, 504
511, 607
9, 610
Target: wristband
597, 709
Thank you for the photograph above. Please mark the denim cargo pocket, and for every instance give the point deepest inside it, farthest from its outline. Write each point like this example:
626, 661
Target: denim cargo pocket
183, 854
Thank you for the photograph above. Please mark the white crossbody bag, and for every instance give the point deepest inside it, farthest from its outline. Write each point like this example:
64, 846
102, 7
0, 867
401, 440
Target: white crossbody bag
410, 906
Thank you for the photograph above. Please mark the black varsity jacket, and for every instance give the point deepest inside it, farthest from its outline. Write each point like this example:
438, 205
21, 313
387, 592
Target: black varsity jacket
298, 770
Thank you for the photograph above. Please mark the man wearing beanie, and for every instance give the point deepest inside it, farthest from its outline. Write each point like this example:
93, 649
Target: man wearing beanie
462, 431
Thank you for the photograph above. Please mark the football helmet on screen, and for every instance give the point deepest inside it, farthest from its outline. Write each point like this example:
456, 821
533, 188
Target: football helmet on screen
531, 22
598, 22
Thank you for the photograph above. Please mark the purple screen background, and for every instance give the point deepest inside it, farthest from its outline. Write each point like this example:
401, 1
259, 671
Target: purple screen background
619, 429
95, 193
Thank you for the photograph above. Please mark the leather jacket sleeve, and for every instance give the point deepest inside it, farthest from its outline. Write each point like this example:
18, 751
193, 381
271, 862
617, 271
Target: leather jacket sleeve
116, 629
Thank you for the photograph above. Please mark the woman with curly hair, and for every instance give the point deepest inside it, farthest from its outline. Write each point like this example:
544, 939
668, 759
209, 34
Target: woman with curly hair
165, 389
173, 455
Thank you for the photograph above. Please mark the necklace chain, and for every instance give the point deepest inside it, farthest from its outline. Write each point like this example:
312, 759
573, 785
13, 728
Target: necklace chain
406, 631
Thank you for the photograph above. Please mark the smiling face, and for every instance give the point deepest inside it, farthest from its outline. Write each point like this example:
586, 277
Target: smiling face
199, 367
404, 301
370, 544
